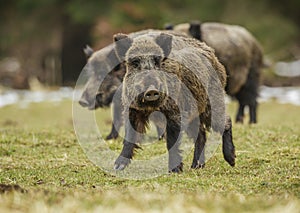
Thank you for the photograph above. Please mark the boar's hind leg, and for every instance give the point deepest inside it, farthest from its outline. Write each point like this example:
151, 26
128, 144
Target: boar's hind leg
240, 114
160, 132
248, 93
196, 131
117, 121
133, 126
199, 157
252, 110
173, 142
159, 123
228, 146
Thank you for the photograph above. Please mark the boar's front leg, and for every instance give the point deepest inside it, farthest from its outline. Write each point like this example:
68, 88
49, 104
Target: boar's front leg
173, 143
135, 124
117, 120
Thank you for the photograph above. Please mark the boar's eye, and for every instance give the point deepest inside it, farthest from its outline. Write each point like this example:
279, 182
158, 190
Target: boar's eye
135, 63
157, 60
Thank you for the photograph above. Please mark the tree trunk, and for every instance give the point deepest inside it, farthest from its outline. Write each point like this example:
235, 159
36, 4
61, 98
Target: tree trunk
75, 37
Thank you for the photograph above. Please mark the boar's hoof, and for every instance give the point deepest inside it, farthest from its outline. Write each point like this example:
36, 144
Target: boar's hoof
121, 163
230, 159
177, 169
112, 136
161, 137
197, 165
239, 119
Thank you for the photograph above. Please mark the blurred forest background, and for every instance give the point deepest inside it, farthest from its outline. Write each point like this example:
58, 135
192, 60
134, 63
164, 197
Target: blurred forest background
43, 39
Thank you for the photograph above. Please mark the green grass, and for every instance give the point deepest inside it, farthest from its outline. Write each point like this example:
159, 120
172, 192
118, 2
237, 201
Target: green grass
39, 152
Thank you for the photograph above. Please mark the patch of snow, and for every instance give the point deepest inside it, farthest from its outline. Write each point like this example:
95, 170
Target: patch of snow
25, 97
285, 95
288, 69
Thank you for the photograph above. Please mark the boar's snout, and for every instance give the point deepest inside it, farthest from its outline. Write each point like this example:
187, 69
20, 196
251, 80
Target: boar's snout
85, 101
151, 94
147, 89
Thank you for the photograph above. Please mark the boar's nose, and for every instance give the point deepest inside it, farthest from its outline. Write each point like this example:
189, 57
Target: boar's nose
83, 102
151, 94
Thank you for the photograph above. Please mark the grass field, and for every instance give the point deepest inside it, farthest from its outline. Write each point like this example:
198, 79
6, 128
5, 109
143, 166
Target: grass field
39, 152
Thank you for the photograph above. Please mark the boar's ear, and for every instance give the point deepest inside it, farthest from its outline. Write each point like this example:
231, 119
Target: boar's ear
169, 26
165, 42
195, 30
88, 51
123, 43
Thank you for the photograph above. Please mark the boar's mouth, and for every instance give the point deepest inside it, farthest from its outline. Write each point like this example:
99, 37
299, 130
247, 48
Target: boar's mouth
143, 104
103, 102
99, 101
97, 105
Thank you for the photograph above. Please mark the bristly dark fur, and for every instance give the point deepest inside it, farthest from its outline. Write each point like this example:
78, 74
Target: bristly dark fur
138, 113
241, 55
